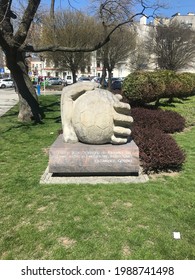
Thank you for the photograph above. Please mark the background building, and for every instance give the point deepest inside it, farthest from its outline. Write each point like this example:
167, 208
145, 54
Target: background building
137, 59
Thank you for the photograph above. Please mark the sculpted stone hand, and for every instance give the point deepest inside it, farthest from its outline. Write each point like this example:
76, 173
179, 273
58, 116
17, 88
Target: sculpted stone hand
122, 121
94, 116
68, 98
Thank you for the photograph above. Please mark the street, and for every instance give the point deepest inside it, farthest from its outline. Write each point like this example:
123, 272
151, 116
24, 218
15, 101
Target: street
8, 98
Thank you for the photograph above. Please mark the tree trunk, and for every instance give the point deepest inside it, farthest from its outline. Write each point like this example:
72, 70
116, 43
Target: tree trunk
74, 76
25, 113
109, 79
28, 100
105, 58
103, 78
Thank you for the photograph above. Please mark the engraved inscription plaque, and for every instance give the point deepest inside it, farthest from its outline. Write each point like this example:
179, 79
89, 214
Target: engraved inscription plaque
88, 159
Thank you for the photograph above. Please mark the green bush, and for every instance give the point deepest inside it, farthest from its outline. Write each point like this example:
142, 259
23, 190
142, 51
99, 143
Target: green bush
143, 87
188, 84
146, 87
178, 84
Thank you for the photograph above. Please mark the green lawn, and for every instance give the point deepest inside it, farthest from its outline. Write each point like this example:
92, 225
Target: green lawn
116, 221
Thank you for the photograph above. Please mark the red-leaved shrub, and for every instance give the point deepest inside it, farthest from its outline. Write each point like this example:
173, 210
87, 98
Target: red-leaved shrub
167, 121
158, 151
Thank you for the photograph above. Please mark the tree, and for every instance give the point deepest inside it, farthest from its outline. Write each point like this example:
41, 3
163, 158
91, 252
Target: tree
139, 59
117, 49
173, 45
1, 59
13, 40
72, 28
111, 13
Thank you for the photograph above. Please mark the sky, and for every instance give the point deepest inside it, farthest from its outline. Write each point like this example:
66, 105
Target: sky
177, 6
173, 6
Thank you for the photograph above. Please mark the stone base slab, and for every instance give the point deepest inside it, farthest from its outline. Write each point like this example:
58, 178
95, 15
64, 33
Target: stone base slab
83, 159
50, 178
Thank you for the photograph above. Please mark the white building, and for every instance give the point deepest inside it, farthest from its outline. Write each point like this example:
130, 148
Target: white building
188, 19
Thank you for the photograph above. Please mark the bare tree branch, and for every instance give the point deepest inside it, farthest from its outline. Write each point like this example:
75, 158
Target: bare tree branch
52, 9
53, 48
5, 6
173, 45
27, 18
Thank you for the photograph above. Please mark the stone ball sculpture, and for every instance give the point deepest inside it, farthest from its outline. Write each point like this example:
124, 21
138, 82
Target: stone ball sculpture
94, 116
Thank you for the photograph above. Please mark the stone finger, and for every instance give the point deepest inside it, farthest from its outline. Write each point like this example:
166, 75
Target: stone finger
122, 119
122, 107
122, 131
75, 90
118, 140
119, 96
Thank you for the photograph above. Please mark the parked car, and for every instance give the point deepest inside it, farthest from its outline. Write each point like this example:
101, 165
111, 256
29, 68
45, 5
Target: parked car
54, 81
84, 79
98, 80
95, 79
68, 80
117, 84
113, 79
6, 82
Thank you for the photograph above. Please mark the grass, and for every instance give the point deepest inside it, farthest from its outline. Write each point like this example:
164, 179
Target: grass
116, 221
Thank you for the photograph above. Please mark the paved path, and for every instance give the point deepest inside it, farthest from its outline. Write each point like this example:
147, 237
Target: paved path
8, 98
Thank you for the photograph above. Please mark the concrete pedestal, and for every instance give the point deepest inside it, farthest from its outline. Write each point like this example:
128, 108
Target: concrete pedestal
83, 159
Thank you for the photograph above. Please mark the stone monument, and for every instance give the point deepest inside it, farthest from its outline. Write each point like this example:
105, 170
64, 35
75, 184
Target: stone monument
96, 137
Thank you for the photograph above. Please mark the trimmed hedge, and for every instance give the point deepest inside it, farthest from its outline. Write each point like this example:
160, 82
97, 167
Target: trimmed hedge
146, 87
167, 121
158, 151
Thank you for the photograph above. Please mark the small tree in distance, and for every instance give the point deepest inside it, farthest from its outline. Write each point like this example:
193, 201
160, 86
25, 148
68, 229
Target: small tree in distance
173, 45
72, 28
118, 49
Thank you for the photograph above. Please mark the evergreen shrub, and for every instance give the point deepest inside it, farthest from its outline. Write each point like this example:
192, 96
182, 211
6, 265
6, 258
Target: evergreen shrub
145, 87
